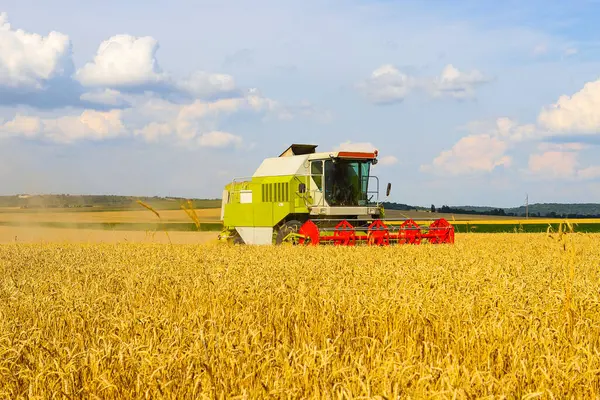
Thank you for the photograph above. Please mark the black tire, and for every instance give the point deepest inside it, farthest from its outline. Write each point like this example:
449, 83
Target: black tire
292, 226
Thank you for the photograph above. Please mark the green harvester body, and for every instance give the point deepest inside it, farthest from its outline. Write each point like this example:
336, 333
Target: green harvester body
297, 186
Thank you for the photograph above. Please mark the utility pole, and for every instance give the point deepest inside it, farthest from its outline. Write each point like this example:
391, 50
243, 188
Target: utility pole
526, 206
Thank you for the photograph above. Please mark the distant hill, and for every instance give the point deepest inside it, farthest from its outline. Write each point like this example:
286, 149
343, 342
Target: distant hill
99, 202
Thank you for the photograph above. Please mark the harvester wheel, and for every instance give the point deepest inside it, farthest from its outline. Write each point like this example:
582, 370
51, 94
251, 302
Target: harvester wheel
292, 226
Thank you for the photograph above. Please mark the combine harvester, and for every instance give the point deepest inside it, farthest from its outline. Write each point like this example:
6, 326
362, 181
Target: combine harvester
304, 197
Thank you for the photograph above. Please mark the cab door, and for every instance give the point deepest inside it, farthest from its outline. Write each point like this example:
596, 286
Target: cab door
316, 182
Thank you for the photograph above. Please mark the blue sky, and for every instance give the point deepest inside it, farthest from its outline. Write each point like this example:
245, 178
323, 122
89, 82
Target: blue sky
468, 102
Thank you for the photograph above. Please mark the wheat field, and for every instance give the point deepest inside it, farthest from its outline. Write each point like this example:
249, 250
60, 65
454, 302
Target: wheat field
492, 316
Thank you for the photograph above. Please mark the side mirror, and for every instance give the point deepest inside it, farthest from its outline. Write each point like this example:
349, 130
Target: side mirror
302, 188
388, 190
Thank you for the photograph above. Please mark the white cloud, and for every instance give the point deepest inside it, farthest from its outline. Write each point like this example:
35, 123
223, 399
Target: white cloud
569, 116
151, 118
123, 60
194, 121
553, 164
543, 147
561, 164
592, 172
108, 97
154, 131
486, 147
387, 84
29, 60
483, 149
21, 125
219, 139
202, 84
471, 154
89, 124
457, 84
574, 114
504, 128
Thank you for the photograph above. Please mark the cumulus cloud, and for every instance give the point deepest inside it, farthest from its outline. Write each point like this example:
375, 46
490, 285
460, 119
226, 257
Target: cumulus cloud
592, 172
154, 131
387, 84
553, 164
124, 75
505, 128
561, 164
28, 61
21, 125
471, 154
543, 147
122, 64
203, 84
487, 144
574, 114
109, 97
128, 62
486, 148
90, 124
199, 121
457, 84
149, 118
123, 61
219, 139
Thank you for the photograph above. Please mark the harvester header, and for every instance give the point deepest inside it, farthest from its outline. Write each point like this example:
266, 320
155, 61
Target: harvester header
309, 197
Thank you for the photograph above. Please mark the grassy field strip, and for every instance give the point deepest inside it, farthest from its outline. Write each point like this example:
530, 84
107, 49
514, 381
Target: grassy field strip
533, 221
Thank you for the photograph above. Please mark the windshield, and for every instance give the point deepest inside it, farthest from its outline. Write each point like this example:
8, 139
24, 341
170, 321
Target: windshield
346, 182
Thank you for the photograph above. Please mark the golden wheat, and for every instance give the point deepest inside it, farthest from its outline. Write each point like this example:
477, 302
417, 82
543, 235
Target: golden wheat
484, 317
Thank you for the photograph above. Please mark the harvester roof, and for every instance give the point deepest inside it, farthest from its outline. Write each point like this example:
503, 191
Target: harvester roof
292, 160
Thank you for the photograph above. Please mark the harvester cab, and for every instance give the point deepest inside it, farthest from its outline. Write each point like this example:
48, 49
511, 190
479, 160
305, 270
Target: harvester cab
308, 197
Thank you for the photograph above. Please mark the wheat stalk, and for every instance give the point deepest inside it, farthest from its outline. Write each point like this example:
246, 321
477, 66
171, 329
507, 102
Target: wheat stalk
149, 207
188, 207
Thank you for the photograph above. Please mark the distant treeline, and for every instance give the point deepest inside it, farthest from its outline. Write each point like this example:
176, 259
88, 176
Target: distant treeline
538, 210
63, 201
110, 202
